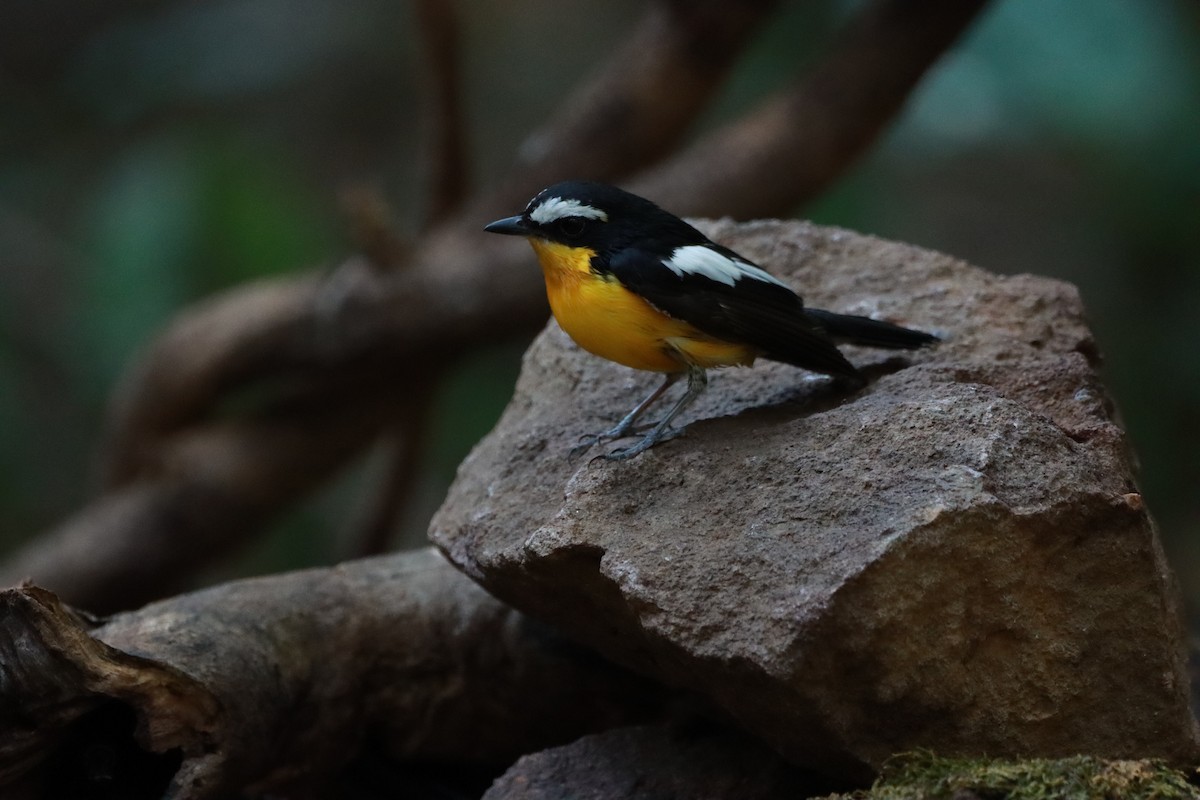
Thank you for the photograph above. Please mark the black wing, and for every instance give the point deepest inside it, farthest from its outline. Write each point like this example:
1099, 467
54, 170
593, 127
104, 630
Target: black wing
734, 306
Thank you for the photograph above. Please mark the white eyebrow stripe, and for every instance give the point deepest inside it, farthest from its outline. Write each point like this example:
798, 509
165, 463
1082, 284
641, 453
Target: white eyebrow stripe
553, 208
696, 259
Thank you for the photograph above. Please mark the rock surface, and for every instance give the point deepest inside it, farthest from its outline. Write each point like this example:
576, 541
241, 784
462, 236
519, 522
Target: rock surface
653, 763
955, 557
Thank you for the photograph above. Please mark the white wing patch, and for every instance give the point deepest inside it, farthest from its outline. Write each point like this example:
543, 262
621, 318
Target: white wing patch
696, 259
553, 208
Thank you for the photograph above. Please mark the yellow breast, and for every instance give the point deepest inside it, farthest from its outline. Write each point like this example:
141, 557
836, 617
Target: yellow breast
607, 319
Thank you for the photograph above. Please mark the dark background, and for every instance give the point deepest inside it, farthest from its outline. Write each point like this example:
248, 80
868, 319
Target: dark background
152, 153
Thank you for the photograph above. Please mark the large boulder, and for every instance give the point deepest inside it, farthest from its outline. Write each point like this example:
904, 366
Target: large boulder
954, 557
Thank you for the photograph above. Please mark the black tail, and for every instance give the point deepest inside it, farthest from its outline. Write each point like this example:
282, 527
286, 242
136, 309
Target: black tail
869, 332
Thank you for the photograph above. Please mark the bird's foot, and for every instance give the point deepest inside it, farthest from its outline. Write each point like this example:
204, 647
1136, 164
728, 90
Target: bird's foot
590, 440
586, 442
645, 443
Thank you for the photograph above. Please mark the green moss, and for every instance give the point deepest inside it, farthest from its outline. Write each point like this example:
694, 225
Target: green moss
925, 776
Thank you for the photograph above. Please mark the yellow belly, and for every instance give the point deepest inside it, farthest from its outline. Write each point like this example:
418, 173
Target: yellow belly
607, 319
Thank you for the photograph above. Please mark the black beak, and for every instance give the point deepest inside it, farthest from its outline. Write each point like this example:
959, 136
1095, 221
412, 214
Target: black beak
513, 226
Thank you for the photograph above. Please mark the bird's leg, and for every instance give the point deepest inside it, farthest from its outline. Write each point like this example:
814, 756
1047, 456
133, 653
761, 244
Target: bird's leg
697, 383
626, 424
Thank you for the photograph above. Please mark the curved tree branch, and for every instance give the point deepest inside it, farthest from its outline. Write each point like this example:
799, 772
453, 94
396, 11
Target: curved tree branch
275, 683
639, 104
446, 151
800, 141
371, 532
208, 492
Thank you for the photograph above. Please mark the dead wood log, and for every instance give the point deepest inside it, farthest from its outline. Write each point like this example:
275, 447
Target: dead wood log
273, 683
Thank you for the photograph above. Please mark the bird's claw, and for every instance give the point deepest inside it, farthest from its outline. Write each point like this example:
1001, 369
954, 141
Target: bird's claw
586, 442
589, 440
642, 445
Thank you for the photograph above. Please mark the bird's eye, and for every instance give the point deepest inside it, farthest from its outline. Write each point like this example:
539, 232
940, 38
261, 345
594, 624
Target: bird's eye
571, 226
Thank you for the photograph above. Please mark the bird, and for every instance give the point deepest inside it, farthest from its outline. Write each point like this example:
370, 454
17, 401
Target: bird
635, 284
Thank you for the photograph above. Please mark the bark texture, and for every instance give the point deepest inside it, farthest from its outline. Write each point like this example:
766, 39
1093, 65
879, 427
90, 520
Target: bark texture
274, 684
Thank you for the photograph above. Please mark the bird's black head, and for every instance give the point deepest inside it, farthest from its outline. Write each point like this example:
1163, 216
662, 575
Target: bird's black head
600, 217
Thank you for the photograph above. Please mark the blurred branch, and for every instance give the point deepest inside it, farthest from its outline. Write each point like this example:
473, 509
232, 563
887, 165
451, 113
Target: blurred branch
406, 441
446, 155
461, 287
636, 107
790, 149
369, 217
275, 683
209, 489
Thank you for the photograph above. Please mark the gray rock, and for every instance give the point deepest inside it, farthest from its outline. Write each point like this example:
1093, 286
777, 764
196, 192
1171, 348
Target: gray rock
955, 557
653, 763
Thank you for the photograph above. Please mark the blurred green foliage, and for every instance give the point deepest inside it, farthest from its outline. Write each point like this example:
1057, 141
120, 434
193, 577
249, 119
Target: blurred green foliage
153, 153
